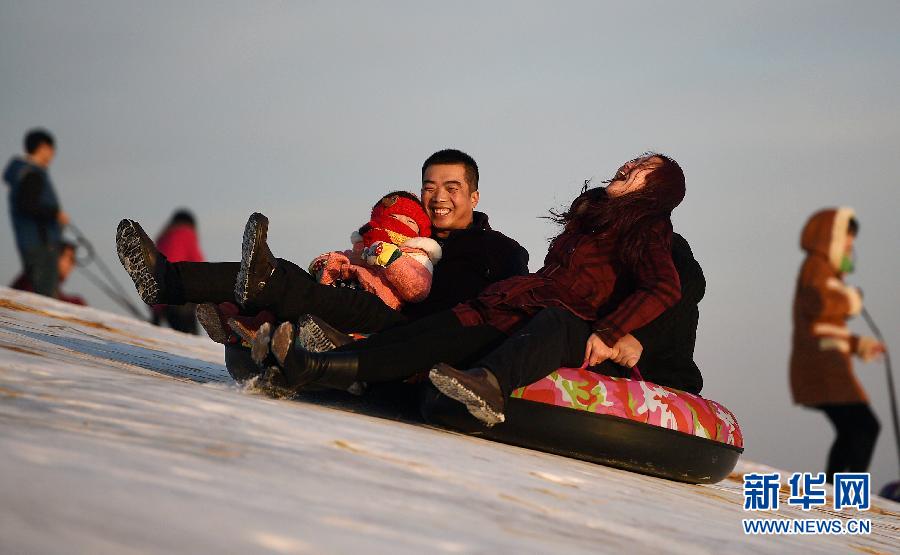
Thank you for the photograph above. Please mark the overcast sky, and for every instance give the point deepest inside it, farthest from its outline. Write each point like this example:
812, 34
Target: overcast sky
310, 111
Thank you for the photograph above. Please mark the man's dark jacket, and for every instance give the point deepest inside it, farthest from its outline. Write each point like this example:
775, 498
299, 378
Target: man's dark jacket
33, 206
669, 340
472, 259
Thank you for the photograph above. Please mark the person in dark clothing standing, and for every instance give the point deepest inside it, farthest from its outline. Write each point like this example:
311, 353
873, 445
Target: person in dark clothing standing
474, 256
36, 216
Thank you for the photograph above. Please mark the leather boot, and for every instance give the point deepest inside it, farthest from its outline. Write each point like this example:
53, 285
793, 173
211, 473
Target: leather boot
214, 320
335, 370
145, 265
477, 388
257, 262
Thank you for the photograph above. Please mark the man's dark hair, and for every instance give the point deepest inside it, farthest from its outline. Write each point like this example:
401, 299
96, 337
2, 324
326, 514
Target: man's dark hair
37, 137
453, 156
66, 245
853, 227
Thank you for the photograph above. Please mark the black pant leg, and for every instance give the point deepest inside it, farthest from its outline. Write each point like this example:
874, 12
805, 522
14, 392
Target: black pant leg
201, 282
399, 334
182, 317
838, 454
857, 431
554, 337
295, 292
404, 351
291, 292
864, 440
42, 268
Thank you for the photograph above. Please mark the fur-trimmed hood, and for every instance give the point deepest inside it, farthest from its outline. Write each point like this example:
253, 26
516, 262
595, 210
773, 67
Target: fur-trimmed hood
426, 244
825, 233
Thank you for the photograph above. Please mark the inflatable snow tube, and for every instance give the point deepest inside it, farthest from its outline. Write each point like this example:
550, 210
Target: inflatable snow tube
630, 424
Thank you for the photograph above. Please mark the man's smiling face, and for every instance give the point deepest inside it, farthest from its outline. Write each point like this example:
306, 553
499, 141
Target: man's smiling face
448, 197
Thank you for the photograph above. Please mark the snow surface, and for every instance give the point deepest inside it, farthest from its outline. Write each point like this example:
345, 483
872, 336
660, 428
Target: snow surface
120, 437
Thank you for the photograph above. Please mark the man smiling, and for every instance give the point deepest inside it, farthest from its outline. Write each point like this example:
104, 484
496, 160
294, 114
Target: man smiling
450, 190
474, 254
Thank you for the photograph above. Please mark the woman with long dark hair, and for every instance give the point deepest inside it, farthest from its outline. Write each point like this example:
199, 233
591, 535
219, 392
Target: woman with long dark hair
611, 266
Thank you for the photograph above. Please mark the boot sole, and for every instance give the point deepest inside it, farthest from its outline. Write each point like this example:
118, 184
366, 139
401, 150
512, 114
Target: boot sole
246, 334
281, 342
259, 347
131, 255
458, 392
311, 337
208, 317
257, 227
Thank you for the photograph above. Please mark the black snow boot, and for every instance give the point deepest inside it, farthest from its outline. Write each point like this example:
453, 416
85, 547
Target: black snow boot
257, 263
145, 265
301, 367
214, 320
317, 336
477, 388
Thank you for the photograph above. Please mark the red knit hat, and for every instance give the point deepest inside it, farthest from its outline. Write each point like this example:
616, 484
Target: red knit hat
382, 222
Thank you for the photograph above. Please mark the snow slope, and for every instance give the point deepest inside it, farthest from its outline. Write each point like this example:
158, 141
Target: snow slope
119, 437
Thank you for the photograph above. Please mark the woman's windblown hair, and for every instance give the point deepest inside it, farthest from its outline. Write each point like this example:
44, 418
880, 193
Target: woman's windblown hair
630, 218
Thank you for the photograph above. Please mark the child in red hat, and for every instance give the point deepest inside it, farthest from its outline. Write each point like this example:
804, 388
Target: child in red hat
393, 255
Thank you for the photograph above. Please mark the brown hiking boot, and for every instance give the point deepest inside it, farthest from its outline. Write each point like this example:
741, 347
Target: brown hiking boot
142, 261
257, 262
476, 388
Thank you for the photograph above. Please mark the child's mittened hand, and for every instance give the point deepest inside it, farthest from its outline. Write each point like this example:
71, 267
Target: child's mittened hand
380, 253
316, 267
347, 272
869, 348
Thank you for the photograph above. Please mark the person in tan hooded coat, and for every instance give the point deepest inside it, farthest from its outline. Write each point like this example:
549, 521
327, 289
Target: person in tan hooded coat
821, 368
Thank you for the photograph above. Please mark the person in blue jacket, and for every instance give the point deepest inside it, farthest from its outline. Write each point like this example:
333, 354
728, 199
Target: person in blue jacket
34, 209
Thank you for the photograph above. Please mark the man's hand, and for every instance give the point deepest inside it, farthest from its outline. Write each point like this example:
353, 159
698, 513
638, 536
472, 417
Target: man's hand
629, 351
596, 351
62, 218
